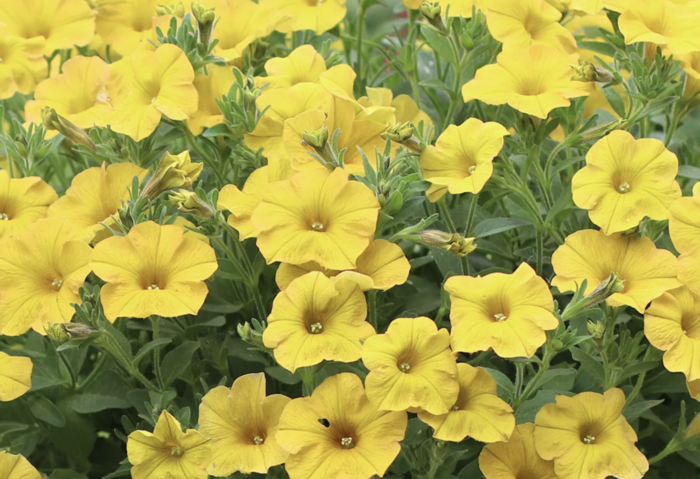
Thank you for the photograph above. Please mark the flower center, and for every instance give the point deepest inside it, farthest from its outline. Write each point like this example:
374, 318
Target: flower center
258, 440
588, 439
472, 169
57, 283
455, 408
316, 328
624, 188
691, 325
347, 442
318, 226
177, 451
4, 217
500, 317
405, 367
152, 287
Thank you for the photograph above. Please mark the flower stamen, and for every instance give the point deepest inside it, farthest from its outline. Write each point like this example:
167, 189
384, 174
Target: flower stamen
589, 439
258, 440
57, 283
177, 451
405, 367
624, 188
4, 217
318, 226
152, 287
500, 317
347, 443
316, 328
472, 169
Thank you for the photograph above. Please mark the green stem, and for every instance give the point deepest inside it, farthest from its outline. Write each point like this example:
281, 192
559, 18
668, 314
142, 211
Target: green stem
670, 448
372, 304
65, 362
539, 245
481, 357
115, 350
471, 214
97, 368
360, 34
445, 214
535, 381
156, 352
248, 266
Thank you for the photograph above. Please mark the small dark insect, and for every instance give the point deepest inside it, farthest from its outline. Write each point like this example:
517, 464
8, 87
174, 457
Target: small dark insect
325, 422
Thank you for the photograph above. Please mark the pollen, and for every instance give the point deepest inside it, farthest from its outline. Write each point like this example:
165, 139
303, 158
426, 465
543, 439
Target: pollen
405, 367
589, 439
455, 408
316, 328
177, 451
258, 440
4, 217
500, 317
472, 169
152, 287
624, 188
57, 283
347, 442
318, 226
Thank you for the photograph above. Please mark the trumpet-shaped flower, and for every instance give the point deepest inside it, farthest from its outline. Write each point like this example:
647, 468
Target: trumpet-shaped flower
79, 93
173, 172
317, 15
336, 432
507, 312
462, 159
16, 466
94, 197
589, 255
153, 270
625, 180
381, 106
242, 423
22, 64
684, 226
535, 81
162, 85
662, 23
316, 319
317, 215
478, 412
587, 437
521, 23
303, 65
15, 377
411, 367
382, 265
210, 87
22, 202
515, 459
41, 272
672, 324
62, 23
168, 452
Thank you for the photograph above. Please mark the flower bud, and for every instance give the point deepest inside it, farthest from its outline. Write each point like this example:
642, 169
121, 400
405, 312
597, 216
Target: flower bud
250, 335
589, 72
597, 330
431, 11
205, 22
175, 10
72, 132
316, 139
174, 171
693, 430
466, 41
609, 286
188, 202
557, 345
403, 133
451, 242
62, 332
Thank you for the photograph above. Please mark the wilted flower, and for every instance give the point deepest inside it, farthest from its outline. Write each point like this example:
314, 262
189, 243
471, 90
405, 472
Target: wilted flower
174, 171
188, 202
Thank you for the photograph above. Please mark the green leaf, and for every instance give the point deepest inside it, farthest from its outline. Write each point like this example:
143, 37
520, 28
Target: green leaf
529, 409
66, 474
282, 375
561, 379
635, 410
218, 130
637, 369
42, 408
7, 427
439, 43
435, 83
687, 171
494, 226
598, 47
615, 100
146, 348
107, 391
504, 383
177, 361
590, 365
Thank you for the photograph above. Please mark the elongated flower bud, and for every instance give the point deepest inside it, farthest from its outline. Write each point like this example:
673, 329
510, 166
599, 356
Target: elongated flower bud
72, 132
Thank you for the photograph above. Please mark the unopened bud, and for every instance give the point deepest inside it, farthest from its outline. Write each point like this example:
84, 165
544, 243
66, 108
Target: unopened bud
316, 139
402, 133
175, 10
466, 41
431, 11
205, 22
72, 132
595, 329
251, 335
62, 332
188, 202
609, 286
245, 332
174, 171
589, 72
451, 242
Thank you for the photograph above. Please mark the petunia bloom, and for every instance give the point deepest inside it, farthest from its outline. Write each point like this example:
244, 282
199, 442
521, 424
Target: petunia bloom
478, 412
210, 87
41, 272
462, 159
625, 180
672, 324
162, 85
507, 312
303, 65
382, 265
587, 437
16, 466
153, 270
242, 423
684, 227
168, 452
521, 23
317, 15
517, 458
534, 81
22, 202
317, 215
15, 377
411, 367
647, 272
23, 64
336, 432
316, 319
94, 197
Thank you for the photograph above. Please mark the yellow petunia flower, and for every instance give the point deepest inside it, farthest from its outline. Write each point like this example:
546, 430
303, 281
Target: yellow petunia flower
241, 204
168, 452
521, 23
625, 180
162, 85
15, 377
662, 23
411, 367
316, 319
691, 66
478, 412
317, 215
210, 87
534, 81
317, 15
153, 270
462, 159
380, 105
303, 65
382, 266
22, 64
684, 227
647, 272
507, 312
15, 466
283, 104
587, 437
62, 23
41, 272
79, 94
336, 432
22, 202
515, 459
94, 197
694, 389
672, 324
242, 423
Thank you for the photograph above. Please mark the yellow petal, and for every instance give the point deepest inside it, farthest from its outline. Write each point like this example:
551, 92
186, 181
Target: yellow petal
15, 466
15, 376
